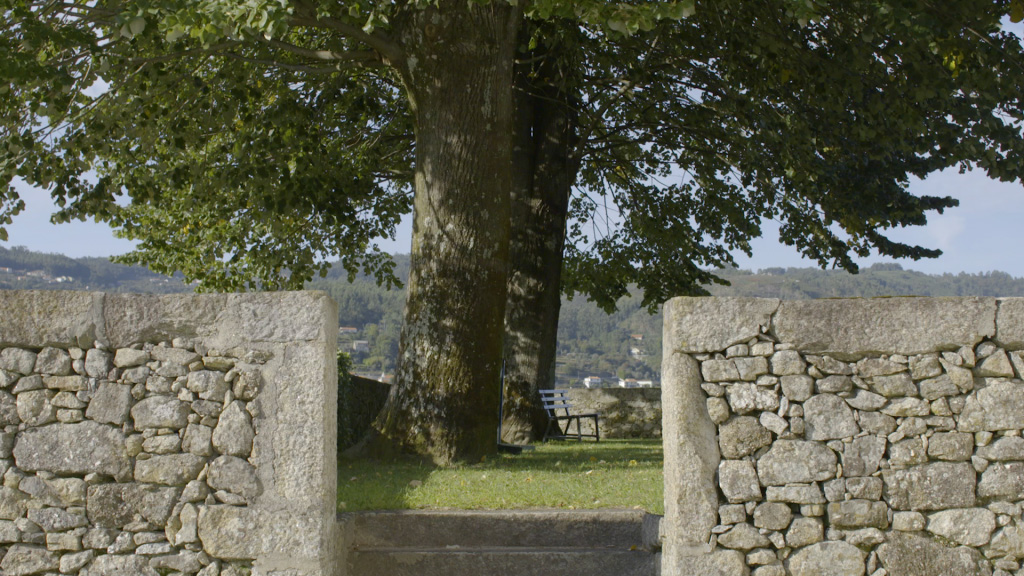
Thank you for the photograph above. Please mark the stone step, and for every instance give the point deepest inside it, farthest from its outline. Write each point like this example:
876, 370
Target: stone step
621, 529
499, 562
499, 542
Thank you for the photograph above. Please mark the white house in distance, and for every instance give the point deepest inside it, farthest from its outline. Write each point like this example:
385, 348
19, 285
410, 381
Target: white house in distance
592, 382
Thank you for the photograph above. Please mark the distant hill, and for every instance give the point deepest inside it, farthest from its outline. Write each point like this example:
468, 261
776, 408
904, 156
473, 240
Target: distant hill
23, 269
626, 344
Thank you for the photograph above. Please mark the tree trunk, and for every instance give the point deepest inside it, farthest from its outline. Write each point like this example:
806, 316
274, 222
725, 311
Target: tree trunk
458, 75
543, 174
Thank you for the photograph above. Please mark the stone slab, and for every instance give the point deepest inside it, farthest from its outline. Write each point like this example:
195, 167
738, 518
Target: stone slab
713, 324
849, 329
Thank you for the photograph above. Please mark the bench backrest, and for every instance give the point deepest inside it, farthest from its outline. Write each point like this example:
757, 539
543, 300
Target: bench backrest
554, 400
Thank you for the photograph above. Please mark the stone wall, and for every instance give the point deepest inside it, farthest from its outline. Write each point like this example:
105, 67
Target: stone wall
155, 435
623, 412
844, 437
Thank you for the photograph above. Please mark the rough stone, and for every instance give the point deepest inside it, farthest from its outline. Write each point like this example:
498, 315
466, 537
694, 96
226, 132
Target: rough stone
160, 412
795, 494
851, 514
926, 366
13, 503
952, 446
1003, 481
198, 440
77, 449
746, 397
865, 538
834, 384
56, 519
795, 461
908, 521
999, 406
718, 410
115, 565
184, 561
129, 357
163, 444
110, 404
827, 417
741, 436
939, 387
869, 488
35, 409
18, 360
935, 486
225, 532
804, 531
247, 386
772, 516
72, 563
965, 526
905, 554
234, 475
797, 387
22, 560
53, 361
827, 559
738, 481
995, 366
743, 537
875, 423
906, 453
98, 363
718, 562
1009, 542
872, 367
1003, 449
750, 368
174, 355
723, 370
773, 422
208, 384
234, 434
788, 362
169, 469
893, 386
862, 456
864, 400
904, 407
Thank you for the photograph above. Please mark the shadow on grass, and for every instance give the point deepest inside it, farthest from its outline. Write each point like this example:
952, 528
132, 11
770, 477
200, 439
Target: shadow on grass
401, 483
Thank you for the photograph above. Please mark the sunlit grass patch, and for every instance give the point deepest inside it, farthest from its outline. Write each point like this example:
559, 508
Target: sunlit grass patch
570, 475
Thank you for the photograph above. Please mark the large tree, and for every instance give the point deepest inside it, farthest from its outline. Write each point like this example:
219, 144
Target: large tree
252, 141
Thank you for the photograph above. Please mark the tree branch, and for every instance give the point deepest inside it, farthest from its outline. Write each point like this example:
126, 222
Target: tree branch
328, 55
305, 15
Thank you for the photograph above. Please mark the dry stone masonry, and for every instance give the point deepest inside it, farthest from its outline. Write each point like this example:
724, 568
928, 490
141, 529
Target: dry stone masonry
154, 436
844, 437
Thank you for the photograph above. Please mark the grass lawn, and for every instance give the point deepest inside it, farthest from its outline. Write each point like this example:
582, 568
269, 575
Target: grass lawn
566, 474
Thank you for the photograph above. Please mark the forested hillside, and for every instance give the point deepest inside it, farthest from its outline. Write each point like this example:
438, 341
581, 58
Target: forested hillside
625, 344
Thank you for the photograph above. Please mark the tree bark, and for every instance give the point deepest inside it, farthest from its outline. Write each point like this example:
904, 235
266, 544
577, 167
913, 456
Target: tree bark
458, 75
544, 171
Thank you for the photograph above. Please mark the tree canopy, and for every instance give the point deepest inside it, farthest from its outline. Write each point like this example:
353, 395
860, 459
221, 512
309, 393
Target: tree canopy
246, 144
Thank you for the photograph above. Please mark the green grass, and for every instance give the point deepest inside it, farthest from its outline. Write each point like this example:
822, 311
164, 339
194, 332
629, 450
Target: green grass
567, 475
